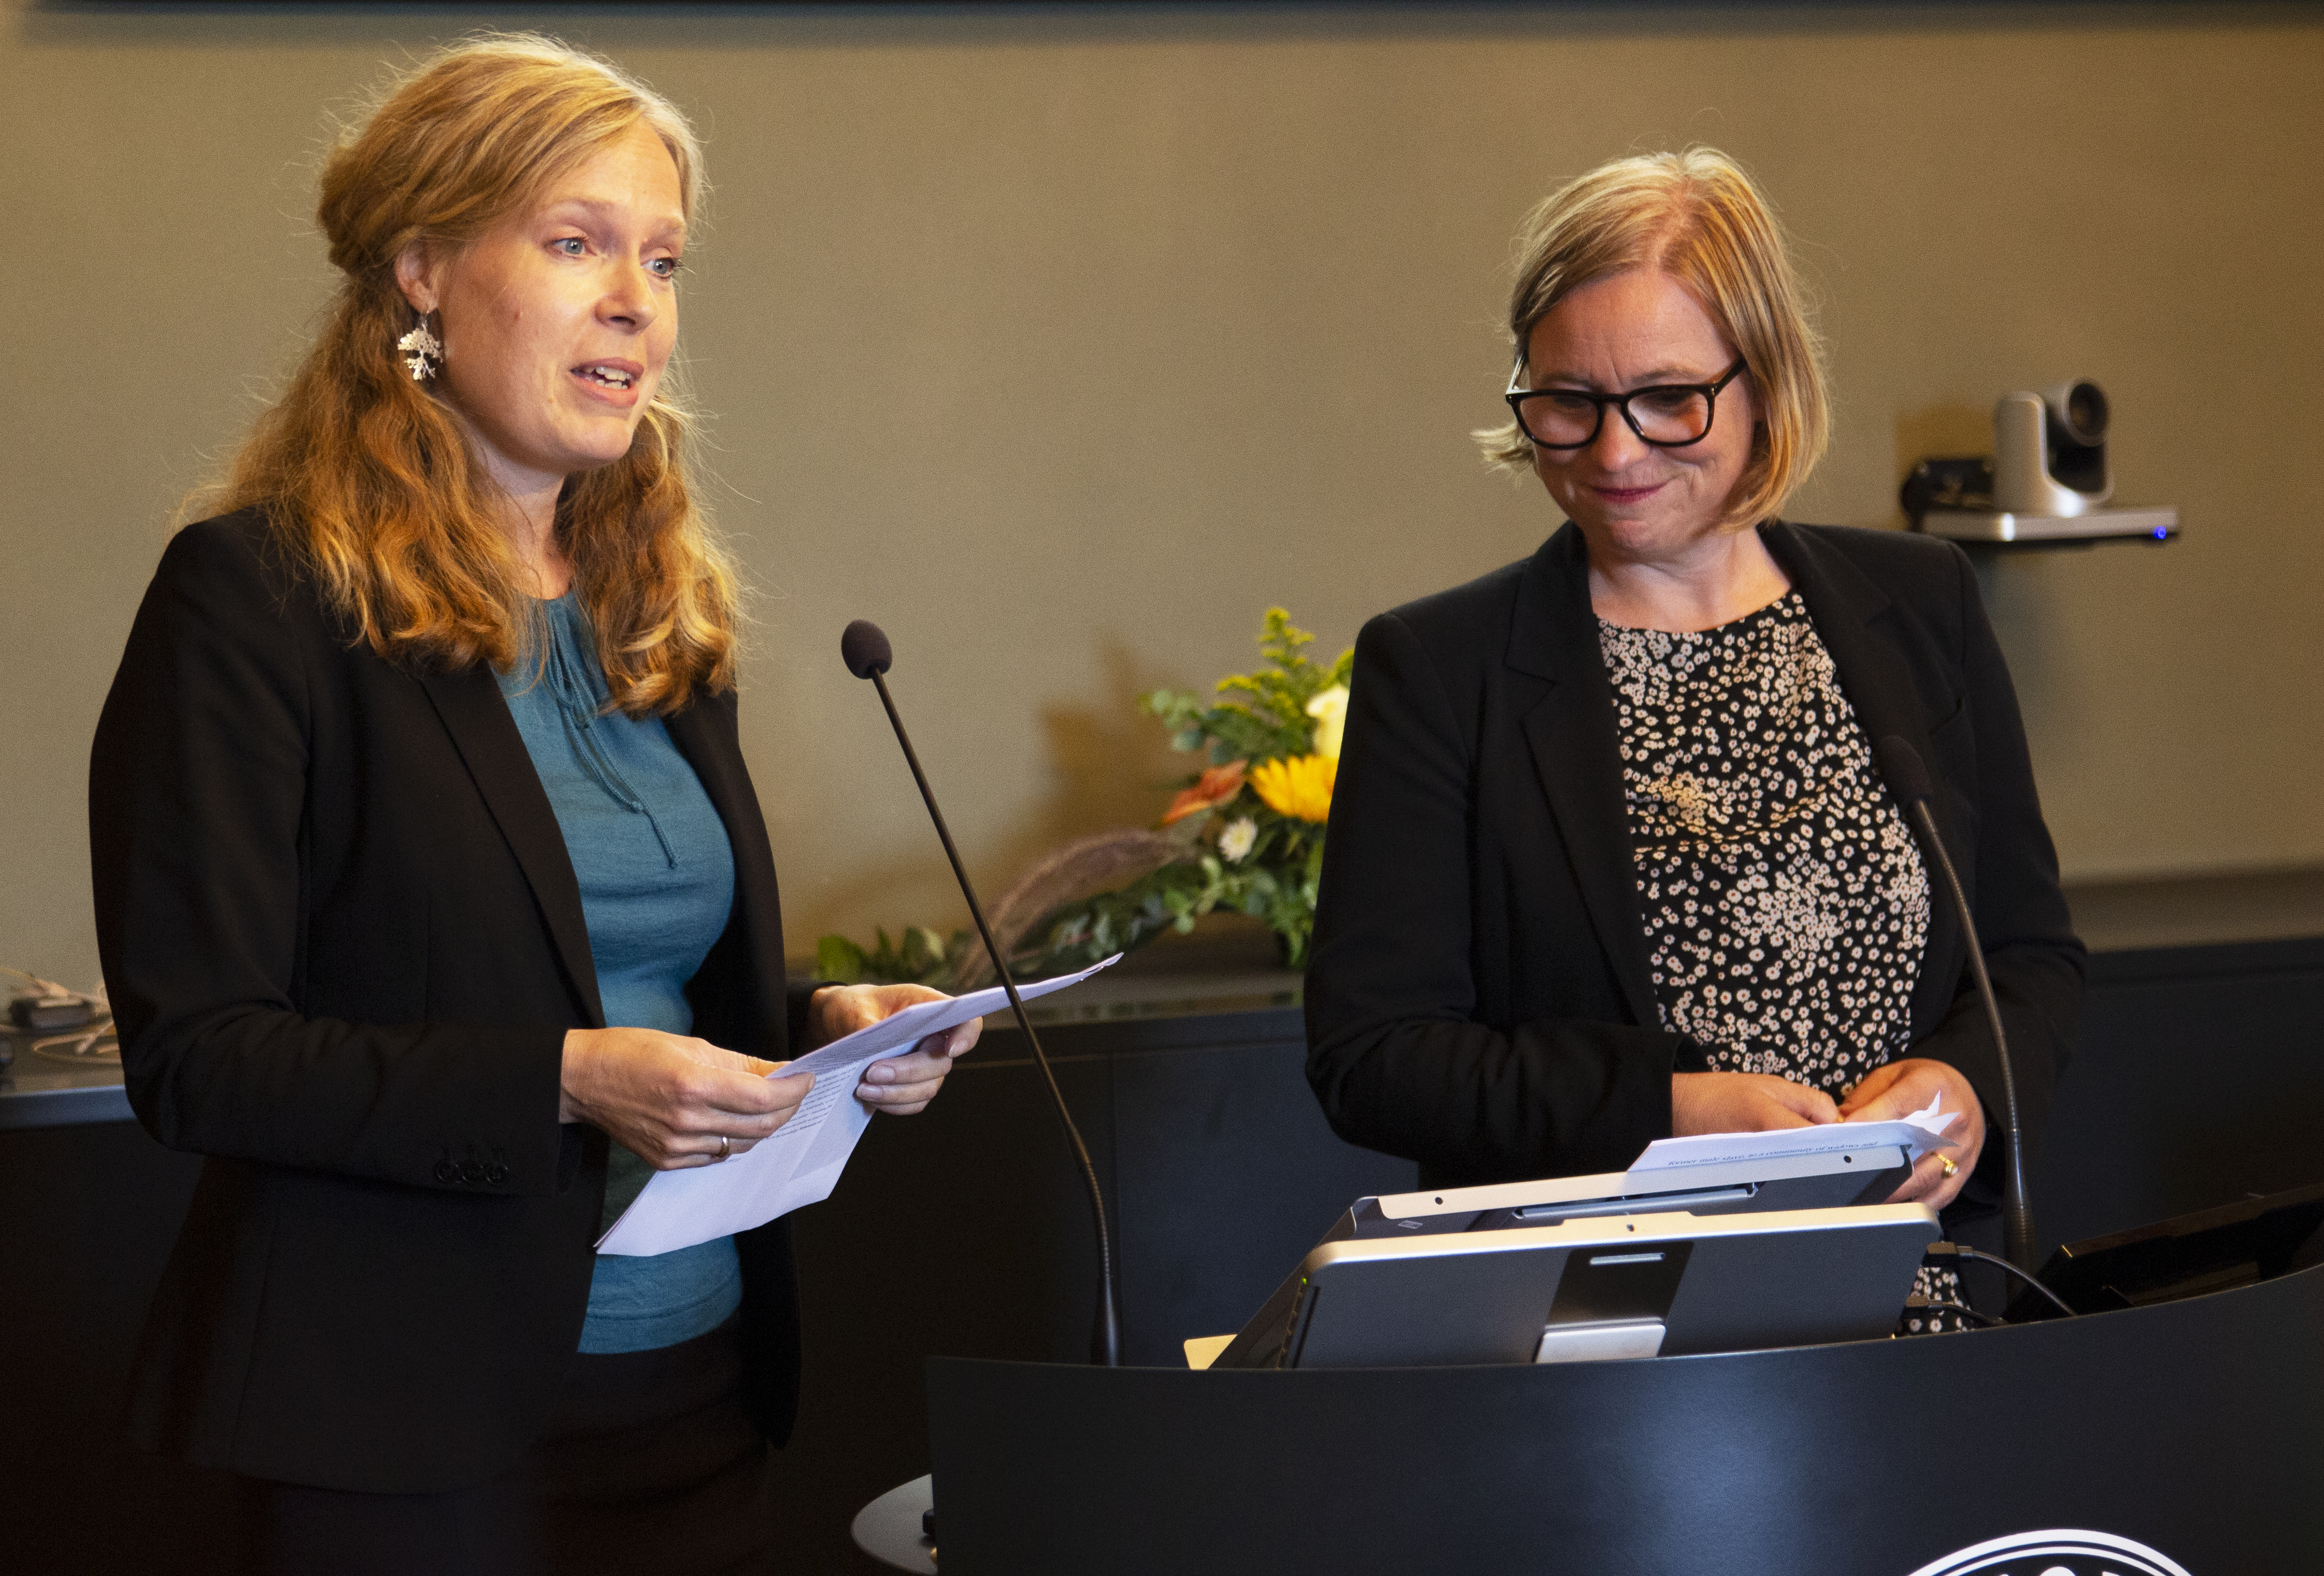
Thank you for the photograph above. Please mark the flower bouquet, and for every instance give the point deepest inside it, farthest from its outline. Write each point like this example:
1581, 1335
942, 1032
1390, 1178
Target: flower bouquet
1256, 813
1244, 833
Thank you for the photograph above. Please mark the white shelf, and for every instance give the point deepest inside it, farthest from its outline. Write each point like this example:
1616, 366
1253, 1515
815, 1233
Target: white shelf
2160, 524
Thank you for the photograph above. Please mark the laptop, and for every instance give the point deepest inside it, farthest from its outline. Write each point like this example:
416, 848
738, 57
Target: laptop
1711, 1259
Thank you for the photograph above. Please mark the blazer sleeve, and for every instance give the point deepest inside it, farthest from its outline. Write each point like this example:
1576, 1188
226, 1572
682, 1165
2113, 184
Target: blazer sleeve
198, 785
2032, 954
1396, 1054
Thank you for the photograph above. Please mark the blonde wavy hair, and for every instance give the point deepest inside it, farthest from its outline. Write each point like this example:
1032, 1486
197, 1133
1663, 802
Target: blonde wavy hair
371, 481
1696, 216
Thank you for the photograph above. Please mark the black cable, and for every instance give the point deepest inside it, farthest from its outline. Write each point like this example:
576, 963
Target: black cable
1957, 1251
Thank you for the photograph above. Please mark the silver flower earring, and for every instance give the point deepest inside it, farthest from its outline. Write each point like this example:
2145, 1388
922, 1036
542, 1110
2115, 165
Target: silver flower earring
423, 351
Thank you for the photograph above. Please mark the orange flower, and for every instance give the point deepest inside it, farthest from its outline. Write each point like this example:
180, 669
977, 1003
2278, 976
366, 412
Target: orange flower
1214, 787
1297, 786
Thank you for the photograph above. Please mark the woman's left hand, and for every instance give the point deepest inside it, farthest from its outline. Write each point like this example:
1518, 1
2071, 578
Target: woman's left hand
898, 1085
1898, 1089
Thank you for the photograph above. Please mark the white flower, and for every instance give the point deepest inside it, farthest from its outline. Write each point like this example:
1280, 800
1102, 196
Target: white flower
1330, 710
1235, 841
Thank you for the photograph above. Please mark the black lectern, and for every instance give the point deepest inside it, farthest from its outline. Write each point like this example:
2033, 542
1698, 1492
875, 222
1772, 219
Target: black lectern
2193, 1429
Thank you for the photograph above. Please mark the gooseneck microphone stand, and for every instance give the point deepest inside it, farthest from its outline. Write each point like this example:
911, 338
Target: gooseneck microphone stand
1908, 778
868, 655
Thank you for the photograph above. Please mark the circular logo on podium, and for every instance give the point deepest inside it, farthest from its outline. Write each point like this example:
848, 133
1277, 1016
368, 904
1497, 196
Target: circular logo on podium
2057, 1552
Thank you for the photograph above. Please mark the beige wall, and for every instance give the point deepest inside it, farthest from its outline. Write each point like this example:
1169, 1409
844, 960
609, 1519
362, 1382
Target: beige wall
1063, 345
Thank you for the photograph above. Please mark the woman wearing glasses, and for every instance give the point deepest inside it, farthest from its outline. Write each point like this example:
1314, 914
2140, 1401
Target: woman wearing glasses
1610, 859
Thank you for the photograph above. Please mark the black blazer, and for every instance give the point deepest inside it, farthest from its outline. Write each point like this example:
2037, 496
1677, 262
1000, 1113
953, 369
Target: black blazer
1478, 997
343, 944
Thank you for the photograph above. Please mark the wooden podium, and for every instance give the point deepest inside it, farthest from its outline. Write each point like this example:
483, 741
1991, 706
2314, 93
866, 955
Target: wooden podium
2192, 1430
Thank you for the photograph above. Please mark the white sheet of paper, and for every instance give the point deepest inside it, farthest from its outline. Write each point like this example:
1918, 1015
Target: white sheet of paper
1917, 1134
801, 1163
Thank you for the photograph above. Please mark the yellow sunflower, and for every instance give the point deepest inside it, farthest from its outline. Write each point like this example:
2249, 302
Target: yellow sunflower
1298, 786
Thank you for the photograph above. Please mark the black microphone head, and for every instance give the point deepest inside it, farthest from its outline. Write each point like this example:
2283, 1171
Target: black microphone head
1902, 769
864, 648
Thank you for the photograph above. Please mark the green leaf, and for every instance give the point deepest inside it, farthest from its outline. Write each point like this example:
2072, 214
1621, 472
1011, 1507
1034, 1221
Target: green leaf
838, 958
917, 956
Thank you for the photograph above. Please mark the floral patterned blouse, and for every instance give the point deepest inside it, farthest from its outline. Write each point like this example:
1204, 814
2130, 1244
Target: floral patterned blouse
1786, 907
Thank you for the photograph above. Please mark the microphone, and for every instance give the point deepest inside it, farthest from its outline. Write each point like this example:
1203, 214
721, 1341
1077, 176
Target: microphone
864, 648
1908, 778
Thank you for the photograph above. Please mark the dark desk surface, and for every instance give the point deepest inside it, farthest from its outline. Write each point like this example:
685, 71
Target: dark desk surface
2195, 911
37, 1091
1227, 967
1179, 988
1221, 983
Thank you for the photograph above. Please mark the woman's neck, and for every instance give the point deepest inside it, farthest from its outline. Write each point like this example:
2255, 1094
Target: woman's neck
1727, 576
529, 521
528, 512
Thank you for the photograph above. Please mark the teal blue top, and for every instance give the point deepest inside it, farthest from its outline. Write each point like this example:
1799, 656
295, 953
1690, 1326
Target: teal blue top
656, 877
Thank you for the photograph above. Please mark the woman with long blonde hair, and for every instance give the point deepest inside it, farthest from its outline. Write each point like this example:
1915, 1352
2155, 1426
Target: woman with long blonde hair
433, 896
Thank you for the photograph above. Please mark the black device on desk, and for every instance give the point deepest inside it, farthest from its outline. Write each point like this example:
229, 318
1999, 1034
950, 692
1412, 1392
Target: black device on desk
2187, 1255
1630, 1263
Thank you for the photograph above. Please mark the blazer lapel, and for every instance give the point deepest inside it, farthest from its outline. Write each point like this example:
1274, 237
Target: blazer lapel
1849, 610
1577, 751
470, 704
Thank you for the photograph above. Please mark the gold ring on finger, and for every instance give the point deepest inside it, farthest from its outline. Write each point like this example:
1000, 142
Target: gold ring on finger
724, 1148
1942, 1160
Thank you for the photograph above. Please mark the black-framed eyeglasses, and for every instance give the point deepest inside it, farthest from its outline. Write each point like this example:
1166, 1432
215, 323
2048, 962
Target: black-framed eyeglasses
1665, 415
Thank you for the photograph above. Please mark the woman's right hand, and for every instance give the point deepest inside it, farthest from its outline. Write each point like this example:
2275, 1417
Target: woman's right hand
671, 1100
1744, 1103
